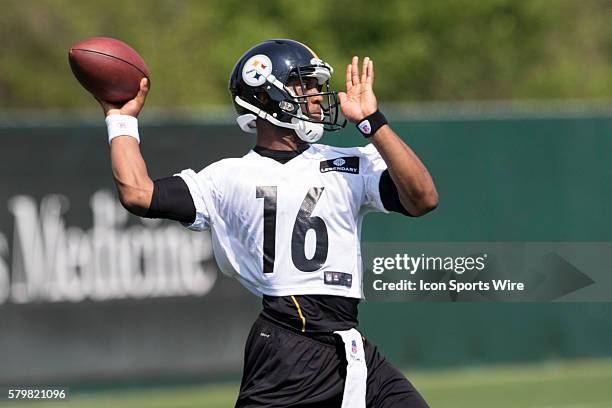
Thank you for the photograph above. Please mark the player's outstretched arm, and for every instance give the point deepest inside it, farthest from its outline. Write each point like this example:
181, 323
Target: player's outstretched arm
134, 185
414, 184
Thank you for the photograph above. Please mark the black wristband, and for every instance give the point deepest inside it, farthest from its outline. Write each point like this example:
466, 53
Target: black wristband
371, 123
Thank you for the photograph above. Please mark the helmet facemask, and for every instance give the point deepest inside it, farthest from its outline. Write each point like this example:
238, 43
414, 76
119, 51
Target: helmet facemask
329, 105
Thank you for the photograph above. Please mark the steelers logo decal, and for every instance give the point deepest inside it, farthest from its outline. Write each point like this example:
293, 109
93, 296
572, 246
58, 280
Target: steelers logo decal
256, 69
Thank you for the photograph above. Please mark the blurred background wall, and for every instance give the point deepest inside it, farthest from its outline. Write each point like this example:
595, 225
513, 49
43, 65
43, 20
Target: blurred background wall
507, 102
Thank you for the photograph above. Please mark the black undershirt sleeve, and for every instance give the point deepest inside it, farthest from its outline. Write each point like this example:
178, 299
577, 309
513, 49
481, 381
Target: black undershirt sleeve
172, 200
389, 194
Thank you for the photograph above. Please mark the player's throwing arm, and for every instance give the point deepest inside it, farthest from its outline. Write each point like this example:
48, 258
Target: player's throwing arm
134, 185
117, 76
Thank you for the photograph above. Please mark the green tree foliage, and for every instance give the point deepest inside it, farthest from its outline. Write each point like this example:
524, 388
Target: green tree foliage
422, 49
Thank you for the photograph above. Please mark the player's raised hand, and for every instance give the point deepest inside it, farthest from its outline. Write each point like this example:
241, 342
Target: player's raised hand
131, 107
359, 100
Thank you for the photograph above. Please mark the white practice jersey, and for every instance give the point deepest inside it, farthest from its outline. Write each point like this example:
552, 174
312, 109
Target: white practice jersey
293, 228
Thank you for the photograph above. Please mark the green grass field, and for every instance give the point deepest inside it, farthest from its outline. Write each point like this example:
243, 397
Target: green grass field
586, 384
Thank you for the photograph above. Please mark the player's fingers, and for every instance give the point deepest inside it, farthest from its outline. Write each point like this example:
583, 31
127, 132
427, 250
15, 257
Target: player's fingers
144, 85
370, 76
355, 71
349, 81
364, 70
144, 89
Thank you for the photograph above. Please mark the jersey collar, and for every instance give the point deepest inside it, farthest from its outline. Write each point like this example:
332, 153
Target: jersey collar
280, 156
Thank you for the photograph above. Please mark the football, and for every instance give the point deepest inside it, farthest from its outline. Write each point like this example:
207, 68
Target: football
108, 68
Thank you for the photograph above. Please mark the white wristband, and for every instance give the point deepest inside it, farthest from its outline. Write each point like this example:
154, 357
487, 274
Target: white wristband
122, 125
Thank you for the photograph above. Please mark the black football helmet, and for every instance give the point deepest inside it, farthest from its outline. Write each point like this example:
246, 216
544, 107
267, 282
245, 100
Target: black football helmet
266, 69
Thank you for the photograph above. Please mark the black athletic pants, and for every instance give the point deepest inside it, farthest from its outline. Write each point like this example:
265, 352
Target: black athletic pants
283, 368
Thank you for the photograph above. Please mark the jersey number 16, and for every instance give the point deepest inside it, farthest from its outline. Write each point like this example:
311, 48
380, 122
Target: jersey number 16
303, 222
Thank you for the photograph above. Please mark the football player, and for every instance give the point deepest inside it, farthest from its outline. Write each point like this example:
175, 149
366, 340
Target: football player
286, 221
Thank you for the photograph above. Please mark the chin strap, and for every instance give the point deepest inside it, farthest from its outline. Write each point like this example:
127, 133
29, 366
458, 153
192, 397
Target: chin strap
247, 123
307, 131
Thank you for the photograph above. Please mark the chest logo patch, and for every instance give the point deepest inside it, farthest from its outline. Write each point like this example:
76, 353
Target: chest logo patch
342, 164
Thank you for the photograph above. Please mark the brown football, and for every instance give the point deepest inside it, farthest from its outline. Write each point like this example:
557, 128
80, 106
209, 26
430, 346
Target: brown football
110, 69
